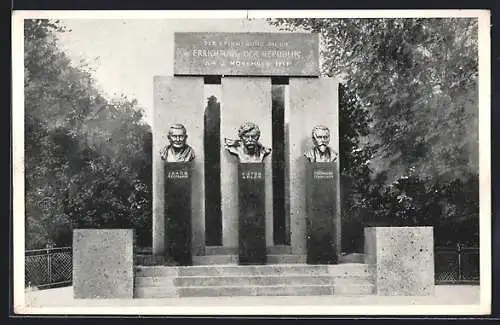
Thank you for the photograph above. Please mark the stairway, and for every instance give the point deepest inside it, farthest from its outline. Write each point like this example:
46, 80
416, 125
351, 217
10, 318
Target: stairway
252, 280
217, 255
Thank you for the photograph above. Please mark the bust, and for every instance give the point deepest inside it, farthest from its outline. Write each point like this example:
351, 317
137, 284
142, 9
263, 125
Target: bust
321, 152
177, 150
247, 148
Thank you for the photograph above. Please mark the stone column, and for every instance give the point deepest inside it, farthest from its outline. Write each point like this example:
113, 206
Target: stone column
244, 99
312, 102
401, 260
179, 100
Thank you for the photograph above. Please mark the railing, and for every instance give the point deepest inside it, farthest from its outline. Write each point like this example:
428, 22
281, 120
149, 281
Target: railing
457, 265
49, 267
52, 267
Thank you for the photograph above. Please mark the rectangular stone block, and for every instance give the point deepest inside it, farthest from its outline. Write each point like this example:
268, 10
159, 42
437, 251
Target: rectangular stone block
178, 211
321, 213
247, 54
252, 214
312, 102
401, 260
103, 263
244, 99
179, 100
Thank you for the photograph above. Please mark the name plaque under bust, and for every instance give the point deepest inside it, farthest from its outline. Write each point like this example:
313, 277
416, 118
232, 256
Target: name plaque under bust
247, 54
321, 213
178, 211
252, 218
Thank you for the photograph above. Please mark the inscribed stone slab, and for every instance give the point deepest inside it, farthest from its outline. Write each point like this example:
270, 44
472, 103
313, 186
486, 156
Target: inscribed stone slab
178, 211
321, 213
252, 213
247, 54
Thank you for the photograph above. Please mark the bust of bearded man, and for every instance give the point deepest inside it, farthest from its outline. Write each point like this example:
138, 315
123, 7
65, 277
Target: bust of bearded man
321, 152
248, 148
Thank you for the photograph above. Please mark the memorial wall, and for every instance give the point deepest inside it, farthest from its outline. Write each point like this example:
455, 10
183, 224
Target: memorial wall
246, 65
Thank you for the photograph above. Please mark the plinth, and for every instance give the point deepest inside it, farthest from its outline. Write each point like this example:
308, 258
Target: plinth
252, 214
321, 213
178, 212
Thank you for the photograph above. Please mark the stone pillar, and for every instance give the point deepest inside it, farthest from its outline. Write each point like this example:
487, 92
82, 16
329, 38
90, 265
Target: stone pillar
312, 102
244, 99
179, 100
401, 260
103, 263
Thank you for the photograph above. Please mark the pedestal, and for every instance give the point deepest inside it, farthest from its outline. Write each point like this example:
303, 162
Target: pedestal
103, 263
178, 212
252, 214
401, 260
321, 213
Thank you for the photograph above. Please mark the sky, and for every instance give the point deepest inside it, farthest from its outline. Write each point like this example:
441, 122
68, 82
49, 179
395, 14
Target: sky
126, 54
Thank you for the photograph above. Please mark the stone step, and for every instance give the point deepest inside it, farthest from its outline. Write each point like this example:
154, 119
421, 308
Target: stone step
312, 290
165, 281
338, 270
220, 250
286, 259
354, 289
154, 281
352, 258
279, 249
148, 260
156, 292
233, 259
223, 250
179, 281
215, 260
254, 290
274, 280
249, 270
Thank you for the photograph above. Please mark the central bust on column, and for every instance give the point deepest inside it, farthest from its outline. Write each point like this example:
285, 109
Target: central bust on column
247, 147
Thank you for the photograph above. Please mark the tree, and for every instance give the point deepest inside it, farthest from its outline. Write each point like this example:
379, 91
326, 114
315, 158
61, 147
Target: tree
418, 79
87, 158
408, 119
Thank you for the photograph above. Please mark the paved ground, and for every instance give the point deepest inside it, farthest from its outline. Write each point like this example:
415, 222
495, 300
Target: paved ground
453, 297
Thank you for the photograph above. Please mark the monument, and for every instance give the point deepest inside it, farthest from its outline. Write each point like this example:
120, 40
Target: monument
178, 156
257, 191
322, 176
251, 193
252, 182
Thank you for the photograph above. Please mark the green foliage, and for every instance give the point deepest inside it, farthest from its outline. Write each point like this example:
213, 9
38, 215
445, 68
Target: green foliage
87, 159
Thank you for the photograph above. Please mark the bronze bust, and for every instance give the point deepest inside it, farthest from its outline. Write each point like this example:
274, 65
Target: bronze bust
247, 148
177, 150
321, 152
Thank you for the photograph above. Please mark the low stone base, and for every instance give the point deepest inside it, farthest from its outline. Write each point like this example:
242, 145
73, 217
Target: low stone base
401, 260
103, 263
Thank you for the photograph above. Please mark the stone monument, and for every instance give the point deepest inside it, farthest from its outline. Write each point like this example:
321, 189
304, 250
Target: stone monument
322, 176
251, 193
178, 156
245, 66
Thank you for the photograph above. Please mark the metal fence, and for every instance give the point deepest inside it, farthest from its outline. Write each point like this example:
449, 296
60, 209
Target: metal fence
49, 267
457, 265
